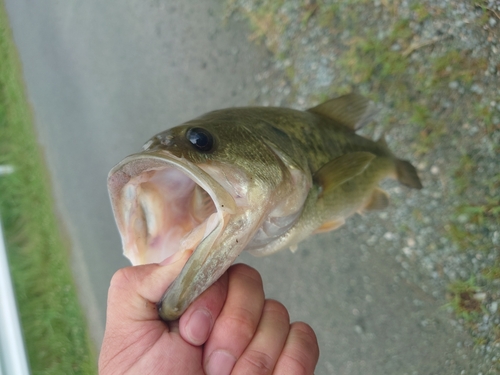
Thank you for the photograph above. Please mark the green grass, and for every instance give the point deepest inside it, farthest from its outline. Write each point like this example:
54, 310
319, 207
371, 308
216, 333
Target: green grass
55, 332
463, 299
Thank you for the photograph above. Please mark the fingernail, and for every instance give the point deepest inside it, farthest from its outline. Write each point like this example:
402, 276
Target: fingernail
220, 362
198, 326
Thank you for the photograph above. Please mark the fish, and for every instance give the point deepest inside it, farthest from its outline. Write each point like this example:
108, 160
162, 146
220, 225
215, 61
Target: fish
256, 179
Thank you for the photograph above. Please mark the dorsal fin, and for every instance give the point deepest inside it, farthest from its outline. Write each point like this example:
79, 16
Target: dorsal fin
352, 110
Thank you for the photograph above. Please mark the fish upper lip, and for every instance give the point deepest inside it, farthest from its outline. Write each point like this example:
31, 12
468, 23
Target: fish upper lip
197, 174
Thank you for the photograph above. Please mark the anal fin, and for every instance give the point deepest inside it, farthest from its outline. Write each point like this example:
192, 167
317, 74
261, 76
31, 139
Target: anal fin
378, 200
330, 225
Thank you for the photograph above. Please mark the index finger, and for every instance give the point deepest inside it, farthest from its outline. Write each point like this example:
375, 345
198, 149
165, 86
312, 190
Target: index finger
238, 321
197, 322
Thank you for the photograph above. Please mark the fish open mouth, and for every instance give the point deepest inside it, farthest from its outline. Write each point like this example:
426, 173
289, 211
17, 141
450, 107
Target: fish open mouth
164, 205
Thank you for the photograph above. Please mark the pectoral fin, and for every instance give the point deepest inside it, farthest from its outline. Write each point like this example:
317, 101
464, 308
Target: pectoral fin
330, 225
342, 169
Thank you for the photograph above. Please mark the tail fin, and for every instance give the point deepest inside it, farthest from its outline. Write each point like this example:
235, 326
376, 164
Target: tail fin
407, 174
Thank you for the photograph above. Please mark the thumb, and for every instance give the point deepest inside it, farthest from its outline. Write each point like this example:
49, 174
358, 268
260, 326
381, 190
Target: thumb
134, 291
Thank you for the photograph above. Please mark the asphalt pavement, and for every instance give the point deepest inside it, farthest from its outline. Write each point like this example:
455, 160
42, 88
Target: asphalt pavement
104, 76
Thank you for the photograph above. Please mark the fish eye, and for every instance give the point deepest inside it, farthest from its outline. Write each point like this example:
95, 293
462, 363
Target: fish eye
200, 138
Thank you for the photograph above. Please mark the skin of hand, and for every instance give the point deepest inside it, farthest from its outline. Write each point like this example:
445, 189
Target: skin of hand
230, 329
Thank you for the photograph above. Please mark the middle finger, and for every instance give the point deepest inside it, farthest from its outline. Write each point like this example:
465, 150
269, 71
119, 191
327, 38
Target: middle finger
238, 321
263, 352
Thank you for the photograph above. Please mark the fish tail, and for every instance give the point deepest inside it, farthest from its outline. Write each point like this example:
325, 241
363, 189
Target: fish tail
407, 174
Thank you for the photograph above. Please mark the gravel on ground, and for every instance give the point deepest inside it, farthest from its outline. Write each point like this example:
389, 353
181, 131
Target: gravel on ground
433, 69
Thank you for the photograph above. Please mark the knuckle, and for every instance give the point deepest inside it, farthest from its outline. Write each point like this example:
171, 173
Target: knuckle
277, 309
121, 278
247, 272
295, 365
241, 323
257, 362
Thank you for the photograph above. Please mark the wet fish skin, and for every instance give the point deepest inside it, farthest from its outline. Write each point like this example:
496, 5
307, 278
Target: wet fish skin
276, 175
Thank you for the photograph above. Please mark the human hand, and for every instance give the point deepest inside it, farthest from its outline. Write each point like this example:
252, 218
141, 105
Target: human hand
229, 329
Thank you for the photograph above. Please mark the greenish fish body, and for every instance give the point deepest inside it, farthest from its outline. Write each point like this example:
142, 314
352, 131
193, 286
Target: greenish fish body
257, 179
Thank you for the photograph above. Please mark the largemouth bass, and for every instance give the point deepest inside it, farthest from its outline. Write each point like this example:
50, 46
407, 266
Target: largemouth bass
255, 179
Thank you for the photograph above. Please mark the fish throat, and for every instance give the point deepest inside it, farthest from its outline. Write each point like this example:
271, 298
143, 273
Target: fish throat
170, 213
